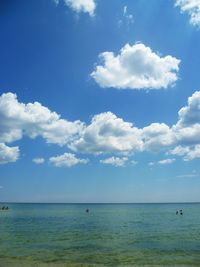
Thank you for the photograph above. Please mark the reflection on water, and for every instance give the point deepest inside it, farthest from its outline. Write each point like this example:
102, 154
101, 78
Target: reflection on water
109, 234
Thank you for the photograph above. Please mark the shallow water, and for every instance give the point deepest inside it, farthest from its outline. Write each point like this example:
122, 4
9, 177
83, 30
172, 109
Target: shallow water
110, 234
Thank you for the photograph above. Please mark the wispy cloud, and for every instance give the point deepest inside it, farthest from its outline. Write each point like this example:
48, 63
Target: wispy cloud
127, 18
190, 175
162, 162
38, 160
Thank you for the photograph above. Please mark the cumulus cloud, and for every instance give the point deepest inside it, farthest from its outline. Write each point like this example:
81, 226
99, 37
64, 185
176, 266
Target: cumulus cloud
38, 160
115, 161
86, 6
8, 154
187, 152
187, 129
105, 134
66, 160
33, 119
157, 136
108, 134
136, 67
192, 7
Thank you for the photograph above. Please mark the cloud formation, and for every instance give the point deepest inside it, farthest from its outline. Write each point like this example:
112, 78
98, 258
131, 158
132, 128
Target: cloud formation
192, 7
33, 119
105, 134
86, 6
115, 161
66, 160
108, 134
38, 160
136, 67
8, 154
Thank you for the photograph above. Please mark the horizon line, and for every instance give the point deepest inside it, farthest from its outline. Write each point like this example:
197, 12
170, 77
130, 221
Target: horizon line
111, 203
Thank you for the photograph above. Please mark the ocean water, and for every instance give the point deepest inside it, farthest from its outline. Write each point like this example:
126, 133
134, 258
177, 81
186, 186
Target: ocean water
109, 235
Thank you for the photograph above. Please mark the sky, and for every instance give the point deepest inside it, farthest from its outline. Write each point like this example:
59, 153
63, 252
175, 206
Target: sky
99, 101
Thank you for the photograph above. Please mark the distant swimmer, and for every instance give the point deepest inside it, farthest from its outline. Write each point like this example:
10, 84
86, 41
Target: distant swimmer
87, 210
177, 212
181, 212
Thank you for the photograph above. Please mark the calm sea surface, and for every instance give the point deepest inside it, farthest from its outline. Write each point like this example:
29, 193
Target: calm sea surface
109, 235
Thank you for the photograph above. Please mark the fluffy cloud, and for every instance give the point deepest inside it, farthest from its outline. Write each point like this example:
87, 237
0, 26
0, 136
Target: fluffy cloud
157, 136
38, 160
108, 134
187, 152
115, 161
105, 134
136, 67
66, 160
192, 7
87, 6
8, 154
187, 129
33, 119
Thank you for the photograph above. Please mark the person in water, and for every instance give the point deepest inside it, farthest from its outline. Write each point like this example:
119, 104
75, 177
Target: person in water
87, 210
181, 212
177, 212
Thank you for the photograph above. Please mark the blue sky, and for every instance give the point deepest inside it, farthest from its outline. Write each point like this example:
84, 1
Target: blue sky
99, 101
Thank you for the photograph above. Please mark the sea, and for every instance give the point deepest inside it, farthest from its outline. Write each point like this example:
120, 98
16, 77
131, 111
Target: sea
107, 235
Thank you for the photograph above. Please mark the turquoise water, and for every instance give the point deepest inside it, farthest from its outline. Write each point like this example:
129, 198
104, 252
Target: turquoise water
109, 235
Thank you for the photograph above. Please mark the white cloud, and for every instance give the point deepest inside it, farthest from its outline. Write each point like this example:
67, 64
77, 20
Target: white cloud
105, 134
8, 154
187, 129
136, 67
66, 160
115, 161
162, 162
127, 18
188, 152
166, 161
86, 6
108, 134
33, 119
190, 114
157, 136
38, 160
192, 7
